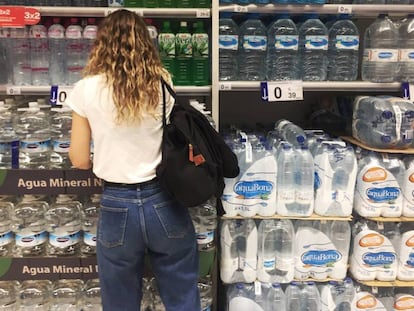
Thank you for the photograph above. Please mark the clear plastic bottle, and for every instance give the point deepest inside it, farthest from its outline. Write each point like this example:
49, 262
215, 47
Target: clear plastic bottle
311, 300
204, 219
61, 127
293, 297
6, 227
184, 54
89, 35
91, 296
228, 48
252, 49
285, 203
74, 51
201, 60
380, 54
9, 300
343, 50
166, 46
290, 132
39, 55
304, 181
89, 215
29, 226
5, 74
282, 50
276, 299
33, 129
20, 49
275, 251
9, 141
237, 297
313, 49
64, 226
406, 49
66, 295
346, 296
35, 295
56, 38
340, 235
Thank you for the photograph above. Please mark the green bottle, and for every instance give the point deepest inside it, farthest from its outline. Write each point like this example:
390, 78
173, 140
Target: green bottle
185, 4
134, 3
201, 61
202, 3
184, 54
167, 3
150, 3
166, 46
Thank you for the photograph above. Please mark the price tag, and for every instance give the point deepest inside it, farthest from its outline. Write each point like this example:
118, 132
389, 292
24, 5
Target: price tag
13, 90
12, 16
203, 13
241, 9
344, 9
58, 94
282, 90
31, 16
225, 86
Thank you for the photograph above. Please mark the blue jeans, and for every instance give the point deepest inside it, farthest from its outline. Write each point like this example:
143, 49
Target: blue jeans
133, 222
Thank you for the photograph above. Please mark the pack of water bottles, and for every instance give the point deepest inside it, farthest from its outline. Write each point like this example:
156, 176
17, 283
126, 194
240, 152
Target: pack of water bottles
382, 251
383, 121
39, 225
274, 250
45, 295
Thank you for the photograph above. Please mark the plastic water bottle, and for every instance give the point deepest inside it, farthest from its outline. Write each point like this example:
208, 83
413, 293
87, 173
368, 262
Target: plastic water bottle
9, 141
74, 52
5, 55
252, 49
238, 297
346, 296
35, 295
89, 216
89, 35
61, 126
166, 46
276, 299
184, 54
313, 49
228, 48
380, 56
290, 132
304, 181
56, 38
205, 222
340, 235
39, 55
282, 50
206, 294
66, 295
311, 299
6, 226
9, 295
201, 60
343, 50
91, 296
293, 297
406, 52
29, 226
33, 130
285, 202
275, 251
64, 227
20, 49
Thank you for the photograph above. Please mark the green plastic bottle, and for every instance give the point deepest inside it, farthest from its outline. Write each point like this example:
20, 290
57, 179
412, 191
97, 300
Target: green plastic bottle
150, 3
201, 61
184, 54
185, 4
167, 3
202, 4
166, 46
134, 3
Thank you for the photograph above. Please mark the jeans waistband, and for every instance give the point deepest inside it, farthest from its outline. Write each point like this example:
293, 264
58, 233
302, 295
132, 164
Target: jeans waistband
129, 186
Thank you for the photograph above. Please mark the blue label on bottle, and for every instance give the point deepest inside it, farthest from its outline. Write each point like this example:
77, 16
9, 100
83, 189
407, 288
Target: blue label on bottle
286, 42
254, 189
255, 43
385, 55
383, 194
410, 261
411, 55
229, 42
321, 258
379, 259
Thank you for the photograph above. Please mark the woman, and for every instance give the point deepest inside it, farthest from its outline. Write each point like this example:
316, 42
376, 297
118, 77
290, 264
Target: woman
118, 106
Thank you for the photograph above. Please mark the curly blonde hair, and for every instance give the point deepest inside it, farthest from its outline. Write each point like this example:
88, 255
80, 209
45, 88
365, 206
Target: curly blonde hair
123, 51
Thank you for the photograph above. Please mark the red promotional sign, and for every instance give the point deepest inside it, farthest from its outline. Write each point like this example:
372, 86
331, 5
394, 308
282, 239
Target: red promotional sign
31, 16
12, 16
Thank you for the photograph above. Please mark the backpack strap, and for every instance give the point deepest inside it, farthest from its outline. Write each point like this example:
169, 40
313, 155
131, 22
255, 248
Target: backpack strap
164, 99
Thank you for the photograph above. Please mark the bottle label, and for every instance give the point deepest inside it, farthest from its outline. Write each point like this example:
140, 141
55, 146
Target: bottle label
316, 43
286, 196
269, 264
204, 238
303, 197
404, 302
89, 238
258, 43
38, 31
73, 32
344, 42
284, 264
6, 238
61, 145
286, 42
31, 240
380, 55
229, 42
406, 55
90, 32
56, 32
62, 241
166, 43
35, 146
183, 45
200, 45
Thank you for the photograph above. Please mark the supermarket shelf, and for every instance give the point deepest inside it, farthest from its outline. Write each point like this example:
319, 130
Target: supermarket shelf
356, 142
355, 86
312, 217
391, 219
42, 90
146, 12
396, 283
354, 9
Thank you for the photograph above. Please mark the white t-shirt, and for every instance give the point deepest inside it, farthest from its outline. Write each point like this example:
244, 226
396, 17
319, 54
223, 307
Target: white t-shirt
122, 154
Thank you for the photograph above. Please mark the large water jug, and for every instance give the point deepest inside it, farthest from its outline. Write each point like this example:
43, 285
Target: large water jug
228, 48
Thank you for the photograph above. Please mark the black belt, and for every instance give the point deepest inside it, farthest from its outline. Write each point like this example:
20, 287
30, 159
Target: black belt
128, 186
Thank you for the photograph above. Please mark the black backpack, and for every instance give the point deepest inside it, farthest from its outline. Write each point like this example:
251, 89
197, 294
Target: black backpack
195, 158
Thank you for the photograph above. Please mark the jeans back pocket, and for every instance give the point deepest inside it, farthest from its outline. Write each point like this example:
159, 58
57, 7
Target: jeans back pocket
112, 226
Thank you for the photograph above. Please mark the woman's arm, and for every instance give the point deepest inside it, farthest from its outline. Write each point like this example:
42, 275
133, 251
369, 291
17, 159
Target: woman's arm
80, 142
